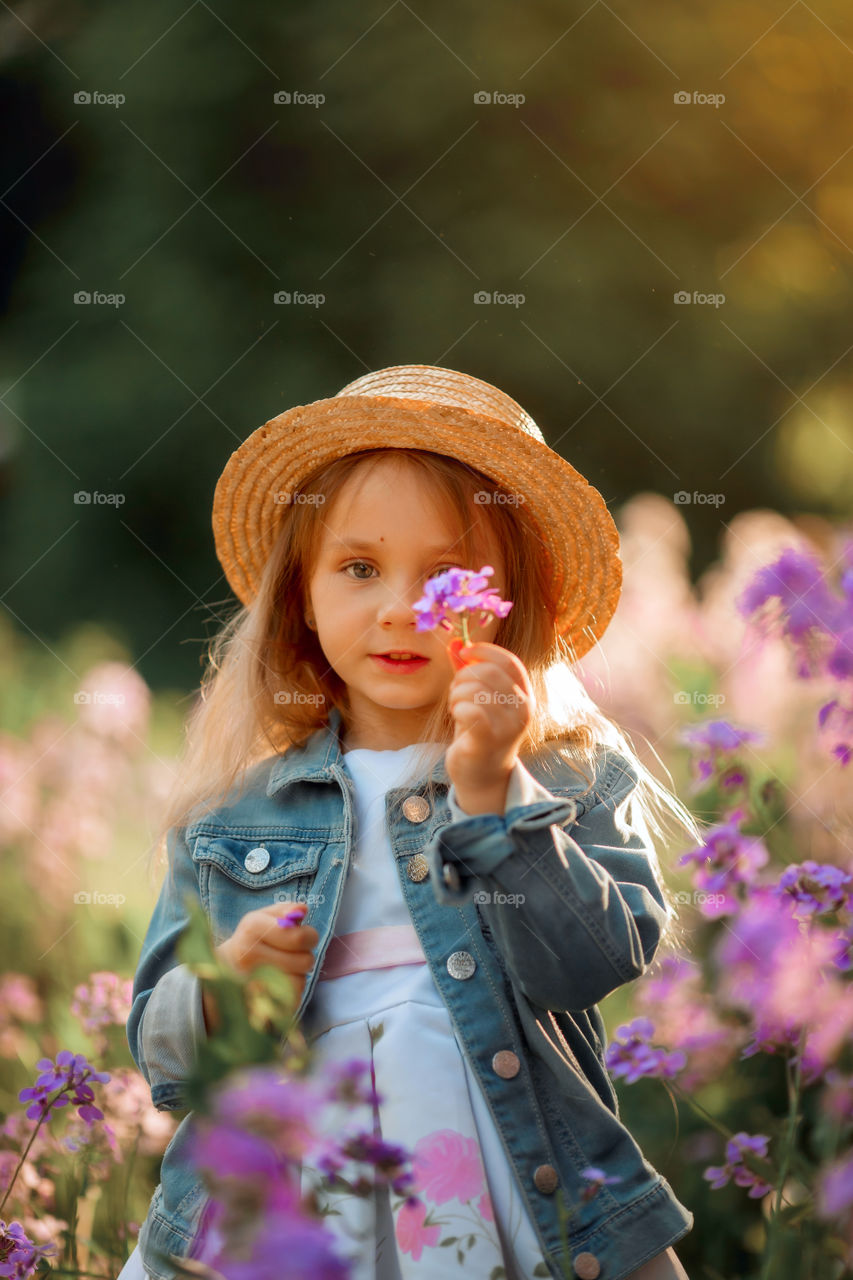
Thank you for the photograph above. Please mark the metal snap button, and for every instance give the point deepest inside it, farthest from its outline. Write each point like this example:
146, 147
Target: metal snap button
257, 859
450, 875
586, 1266
416, 808
461, 964
545, 1178
417, 868
506, 1064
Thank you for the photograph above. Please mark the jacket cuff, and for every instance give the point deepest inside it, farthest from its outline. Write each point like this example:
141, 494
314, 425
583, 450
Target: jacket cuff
171, 1031
474, 846
523, 789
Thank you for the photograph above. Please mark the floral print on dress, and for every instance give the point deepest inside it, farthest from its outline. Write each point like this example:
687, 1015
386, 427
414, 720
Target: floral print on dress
447, 1166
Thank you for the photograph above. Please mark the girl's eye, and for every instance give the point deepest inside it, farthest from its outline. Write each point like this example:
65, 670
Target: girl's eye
358, 564
362, 564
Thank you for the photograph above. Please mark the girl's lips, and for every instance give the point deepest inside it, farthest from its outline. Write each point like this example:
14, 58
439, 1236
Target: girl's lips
399, 664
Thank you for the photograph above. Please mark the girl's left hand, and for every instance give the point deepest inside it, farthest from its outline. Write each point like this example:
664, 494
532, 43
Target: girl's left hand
491, 701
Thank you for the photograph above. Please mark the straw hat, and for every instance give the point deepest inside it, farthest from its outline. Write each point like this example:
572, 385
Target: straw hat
424, 407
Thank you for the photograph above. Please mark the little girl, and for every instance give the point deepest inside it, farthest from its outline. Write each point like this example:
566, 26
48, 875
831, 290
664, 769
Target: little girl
457, 823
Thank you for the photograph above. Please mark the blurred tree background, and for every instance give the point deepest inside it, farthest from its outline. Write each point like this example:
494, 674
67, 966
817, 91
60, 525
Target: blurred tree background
180, 162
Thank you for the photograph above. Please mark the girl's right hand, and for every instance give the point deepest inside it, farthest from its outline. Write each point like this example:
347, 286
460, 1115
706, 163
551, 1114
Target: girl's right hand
258, 939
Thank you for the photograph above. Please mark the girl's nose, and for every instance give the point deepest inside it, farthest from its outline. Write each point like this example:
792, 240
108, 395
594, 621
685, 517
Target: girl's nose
398, 608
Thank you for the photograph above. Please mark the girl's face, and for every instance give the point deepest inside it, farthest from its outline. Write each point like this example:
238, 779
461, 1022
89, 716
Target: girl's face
383, 538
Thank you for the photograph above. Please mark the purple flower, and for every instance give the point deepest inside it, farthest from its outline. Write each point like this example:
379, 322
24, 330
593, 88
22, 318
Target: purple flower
70, 1074
815, 887
344, 1082
294, 916
727, 858
305, 1244
597, 1179
458, 591
736, 1170
630, 1054
715, 743
19, 1257
836, 1189
796, 581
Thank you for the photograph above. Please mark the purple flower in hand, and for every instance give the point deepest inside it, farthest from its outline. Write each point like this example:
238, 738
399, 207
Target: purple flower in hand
70, 1074
458, 591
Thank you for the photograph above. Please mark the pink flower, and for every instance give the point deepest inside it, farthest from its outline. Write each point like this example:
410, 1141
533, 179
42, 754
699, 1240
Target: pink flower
446, 1164
411, 1233
485, 1207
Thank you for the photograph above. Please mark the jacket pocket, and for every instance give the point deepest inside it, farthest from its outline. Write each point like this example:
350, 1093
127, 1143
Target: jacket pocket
240, 874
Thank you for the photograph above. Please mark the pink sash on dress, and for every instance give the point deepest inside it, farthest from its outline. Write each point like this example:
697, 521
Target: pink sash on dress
372, 949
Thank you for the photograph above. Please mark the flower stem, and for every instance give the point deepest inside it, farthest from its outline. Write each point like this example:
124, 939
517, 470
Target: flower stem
793, 1117
26, 1152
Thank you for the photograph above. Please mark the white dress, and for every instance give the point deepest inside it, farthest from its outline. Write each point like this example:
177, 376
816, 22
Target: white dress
471, 1217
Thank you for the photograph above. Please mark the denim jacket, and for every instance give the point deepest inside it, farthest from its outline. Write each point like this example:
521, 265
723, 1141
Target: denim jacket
554, 906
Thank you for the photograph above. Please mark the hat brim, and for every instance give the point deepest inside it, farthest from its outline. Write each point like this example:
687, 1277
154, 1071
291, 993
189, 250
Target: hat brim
578, 536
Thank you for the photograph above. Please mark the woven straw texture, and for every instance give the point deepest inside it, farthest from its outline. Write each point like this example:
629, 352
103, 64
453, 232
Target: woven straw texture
445, 411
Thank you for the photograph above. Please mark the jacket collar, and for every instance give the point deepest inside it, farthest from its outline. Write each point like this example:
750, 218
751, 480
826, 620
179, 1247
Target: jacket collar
320, 759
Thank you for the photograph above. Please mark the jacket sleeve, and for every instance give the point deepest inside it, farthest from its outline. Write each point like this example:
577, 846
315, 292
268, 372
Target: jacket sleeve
166, 1023
572, 904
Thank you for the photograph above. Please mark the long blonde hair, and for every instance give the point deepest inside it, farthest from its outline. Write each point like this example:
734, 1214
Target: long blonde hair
267, 685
